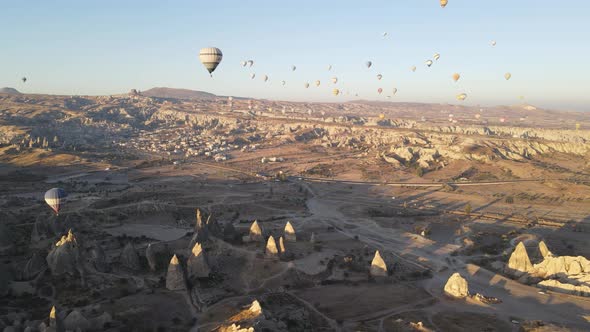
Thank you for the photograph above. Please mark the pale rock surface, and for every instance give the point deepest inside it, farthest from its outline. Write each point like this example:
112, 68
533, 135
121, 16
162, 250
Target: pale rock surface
312, 239
556, 285
290, 233
64, 257
34, 266
256, 232
98, 259
175, 276
519, 262
197, 266
271, 247
75, 320
544, 250
130, 258
456, 286
150, 255
281, 246
378, 266
255, 308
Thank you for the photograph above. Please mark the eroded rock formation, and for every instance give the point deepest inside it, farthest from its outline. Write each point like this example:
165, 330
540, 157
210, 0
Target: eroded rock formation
519, 262
378, 266
64, 257
130, 258
175, 276
290, 232
196, 265
271, 248
256, 232
456, 286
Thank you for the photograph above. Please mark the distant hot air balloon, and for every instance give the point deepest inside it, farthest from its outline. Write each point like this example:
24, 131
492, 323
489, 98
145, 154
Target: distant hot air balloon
24, 79
507, 76
243, 63
283, 83
250, 63
210, 58
329, 67
394, 91
252, 75
443, 3
306, 85
436, 56
384, 34
493, 43
456, 77
368, 64
335, 92
413, 68
379, 90
293, 68
317, 83
462, 96
379, 76
429, 63
265, 78
334, 80
54, 197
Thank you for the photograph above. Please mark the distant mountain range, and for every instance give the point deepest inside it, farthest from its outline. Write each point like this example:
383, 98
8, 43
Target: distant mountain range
160, 92
11, 91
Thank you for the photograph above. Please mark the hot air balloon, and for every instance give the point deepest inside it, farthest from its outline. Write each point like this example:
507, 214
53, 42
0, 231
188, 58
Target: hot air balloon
394, 91
265, 78
379, 90
429, 63
436, 56
250, 63
24, 79
368, 64
443, 3
243, 63
329, 67
462, 96
335, 92
507, 76
456, 77
54, 197
210, 58
306, 85
283, 83
379, 76
493, 43
317, 83
334, 80
252, 75
293, 68
413, 68
384, 34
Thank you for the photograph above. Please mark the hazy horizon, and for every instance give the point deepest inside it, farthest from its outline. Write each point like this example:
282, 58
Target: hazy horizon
108, 48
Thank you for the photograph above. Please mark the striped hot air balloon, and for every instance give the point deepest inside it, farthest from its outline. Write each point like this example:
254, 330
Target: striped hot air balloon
413, 68
394, 91
335, 92
306, 85
54, 197
462, 96
210, 58
443, 3
436, 56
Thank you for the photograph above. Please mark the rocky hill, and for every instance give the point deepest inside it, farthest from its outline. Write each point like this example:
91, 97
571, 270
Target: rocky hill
11, 91
160, 92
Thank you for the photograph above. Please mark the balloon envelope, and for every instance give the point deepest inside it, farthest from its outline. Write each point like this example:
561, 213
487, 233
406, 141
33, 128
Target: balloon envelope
379, 76
456, 77
413, 68
436, 56
394, 91
429, 63
317, 83
334, 80
210, 58
368, 64
507, 76
462, 96
306, 85
335, 92
443, 3
54, 197
379, 90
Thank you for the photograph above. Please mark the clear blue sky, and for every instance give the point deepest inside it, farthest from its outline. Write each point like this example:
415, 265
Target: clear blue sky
109, 47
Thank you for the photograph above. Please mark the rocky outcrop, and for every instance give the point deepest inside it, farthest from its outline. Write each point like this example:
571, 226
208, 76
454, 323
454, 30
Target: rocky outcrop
544, 250
175, 276
201, 229
256, 308
562, 266
256, 232
35, 265
519, 262
281, 246
290, 232
130, 258
75, 320
196, 265
456, 286
557, 286
64, 257
378, 266
55, 321
97, 258
271, 248
150, 255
